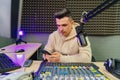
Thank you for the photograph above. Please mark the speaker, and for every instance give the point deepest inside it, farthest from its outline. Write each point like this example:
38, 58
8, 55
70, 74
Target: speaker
113, 66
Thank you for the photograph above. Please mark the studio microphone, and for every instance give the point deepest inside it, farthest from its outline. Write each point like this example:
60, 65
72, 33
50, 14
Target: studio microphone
81, 35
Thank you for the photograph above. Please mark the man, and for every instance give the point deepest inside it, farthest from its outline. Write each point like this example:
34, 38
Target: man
63, 45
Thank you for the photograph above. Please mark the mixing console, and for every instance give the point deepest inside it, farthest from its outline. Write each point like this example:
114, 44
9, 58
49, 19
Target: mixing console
69, 71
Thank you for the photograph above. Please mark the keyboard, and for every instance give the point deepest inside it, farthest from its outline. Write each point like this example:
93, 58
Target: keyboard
6, 64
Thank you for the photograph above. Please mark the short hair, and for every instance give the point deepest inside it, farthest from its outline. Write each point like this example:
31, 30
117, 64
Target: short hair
63, 13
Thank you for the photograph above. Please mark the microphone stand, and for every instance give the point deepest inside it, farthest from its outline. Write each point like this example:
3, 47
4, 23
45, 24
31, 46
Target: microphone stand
19, 41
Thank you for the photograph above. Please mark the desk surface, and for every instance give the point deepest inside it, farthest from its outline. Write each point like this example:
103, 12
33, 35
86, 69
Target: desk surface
30, 49
104, 71
34, 67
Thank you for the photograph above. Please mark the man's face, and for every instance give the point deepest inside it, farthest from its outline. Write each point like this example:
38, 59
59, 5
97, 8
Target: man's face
64, 25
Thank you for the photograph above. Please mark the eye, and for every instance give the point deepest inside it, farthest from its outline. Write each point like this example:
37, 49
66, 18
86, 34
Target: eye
64, 25
58, 25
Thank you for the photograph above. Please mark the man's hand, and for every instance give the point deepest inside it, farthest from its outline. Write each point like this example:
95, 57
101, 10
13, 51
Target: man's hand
54, 57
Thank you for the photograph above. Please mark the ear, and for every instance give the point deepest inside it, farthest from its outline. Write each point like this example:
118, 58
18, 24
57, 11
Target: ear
72, 21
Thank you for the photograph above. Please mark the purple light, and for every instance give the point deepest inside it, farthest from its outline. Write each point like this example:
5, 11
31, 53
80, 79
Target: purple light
20, 33
19, 59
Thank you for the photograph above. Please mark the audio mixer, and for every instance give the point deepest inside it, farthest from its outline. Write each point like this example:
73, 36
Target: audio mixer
69, 71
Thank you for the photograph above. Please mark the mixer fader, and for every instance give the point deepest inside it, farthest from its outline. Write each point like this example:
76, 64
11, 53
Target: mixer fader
69, 71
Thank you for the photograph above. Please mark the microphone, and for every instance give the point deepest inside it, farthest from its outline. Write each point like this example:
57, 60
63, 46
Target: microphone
82, 39
81, 35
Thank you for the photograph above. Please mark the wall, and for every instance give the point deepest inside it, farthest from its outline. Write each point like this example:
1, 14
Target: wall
4, 41
36, 37
5, 7
103, 47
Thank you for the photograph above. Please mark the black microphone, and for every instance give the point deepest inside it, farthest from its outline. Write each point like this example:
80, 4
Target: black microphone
82, 39
81, 35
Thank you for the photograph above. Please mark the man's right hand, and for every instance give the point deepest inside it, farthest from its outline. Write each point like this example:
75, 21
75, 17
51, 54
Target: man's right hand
54, 57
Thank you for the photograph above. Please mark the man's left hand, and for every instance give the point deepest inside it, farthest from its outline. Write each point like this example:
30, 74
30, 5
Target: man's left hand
55, 57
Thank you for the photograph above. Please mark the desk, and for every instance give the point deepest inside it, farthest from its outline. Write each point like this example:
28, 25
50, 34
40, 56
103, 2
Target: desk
104, 71
30, 49
36, 64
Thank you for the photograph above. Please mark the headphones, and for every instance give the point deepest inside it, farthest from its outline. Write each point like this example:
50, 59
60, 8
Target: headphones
113, 66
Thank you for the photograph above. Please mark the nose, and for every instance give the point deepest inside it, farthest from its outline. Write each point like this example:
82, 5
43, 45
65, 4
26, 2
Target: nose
60, 28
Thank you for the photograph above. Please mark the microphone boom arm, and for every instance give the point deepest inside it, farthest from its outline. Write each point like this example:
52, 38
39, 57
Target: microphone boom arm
87, 16
100, 8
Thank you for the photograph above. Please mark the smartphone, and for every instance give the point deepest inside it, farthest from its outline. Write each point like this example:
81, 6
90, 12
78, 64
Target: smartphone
45, 52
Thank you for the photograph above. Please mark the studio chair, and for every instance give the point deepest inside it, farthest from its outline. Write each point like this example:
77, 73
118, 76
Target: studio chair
93, 59
40, 52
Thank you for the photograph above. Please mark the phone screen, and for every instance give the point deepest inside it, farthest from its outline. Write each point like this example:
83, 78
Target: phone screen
45, 52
